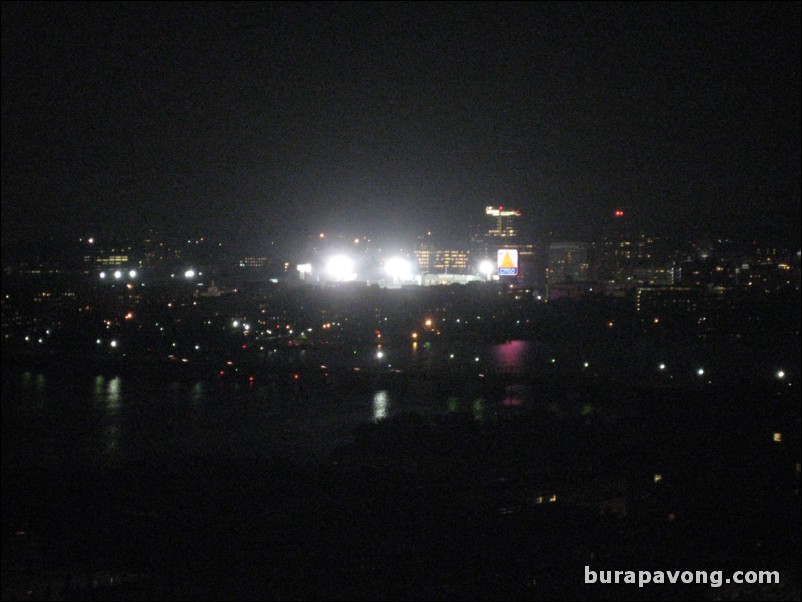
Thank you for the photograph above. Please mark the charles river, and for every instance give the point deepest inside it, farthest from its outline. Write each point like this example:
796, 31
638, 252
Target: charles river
62, 419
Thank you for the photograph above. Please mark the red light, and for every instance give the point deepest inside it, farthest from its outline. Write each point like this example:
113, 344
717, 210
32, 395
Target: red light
619, 213
222, 372
251, 379
244, 346
296, 376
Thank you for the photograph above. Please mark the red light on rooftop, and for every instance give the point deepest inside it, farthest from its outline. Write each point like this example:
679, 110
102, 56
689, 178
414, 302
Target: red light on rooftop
619, 213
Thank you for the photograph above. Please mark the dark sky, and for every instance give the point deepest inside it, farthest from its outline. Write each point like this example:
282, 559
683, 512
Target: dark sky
257, 120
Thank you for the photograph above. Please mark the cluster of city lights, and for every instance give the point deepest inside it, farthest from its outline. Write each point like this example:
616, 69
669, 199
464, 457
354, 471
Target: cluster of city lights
399, 270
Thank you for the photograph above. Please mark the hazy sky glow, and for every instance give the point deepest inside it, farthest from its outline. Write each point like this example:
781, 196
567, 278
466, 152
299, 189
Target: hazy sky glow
257, 120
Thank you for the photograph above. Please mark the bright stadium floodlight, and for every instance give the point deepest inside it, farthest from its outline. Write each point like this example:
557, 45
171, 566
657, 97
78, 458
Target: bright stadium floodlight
398, 269
340, 268
486, 268
118, 274
132, 274
102, 275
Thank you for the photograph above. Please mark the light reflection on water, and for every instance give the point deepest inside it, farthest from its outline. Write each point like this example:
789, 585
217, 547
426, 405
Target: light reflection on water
512, 356
113, 396
62, 419
99, 387
380, 403
478, 408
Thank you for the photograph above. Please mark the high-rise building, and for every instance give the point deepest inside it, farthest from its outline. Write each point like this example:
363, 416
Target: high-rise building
503, 231
568, 262
504, 222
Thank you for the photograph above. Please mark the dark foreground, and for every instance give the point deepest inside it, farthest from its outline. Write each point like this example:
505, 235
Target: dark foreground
434, 508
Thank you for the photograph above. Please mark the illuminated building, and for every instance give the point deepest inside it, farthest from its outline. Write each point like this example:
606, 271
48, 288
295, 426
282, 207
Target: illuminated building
433, 257
424, 253
254, 262
503, 232
655, 300
504, 222
450, 261
425, 259
111, 259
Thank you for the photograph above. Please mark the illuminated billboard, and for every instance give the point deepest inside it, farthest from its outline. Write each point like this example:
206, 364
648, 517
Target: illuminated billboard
508, 262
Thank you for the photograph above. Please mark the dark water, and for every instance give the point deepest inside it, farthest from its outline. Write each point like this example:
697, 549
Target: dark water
99, 421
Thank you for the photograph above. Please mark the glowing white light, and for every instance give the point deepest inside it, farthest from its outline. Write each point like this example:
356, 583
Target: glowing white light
305, 268
662, 367
102, 275
132, 274
781, 374
189, 274
700, 372
113, 343
379, 354
340, 268
487, 268
91, 241
235, 323
118, 274
398, 269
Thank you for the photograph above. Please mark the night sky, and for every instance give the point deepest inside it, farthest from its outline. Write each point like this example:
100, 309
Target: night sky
257, 121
